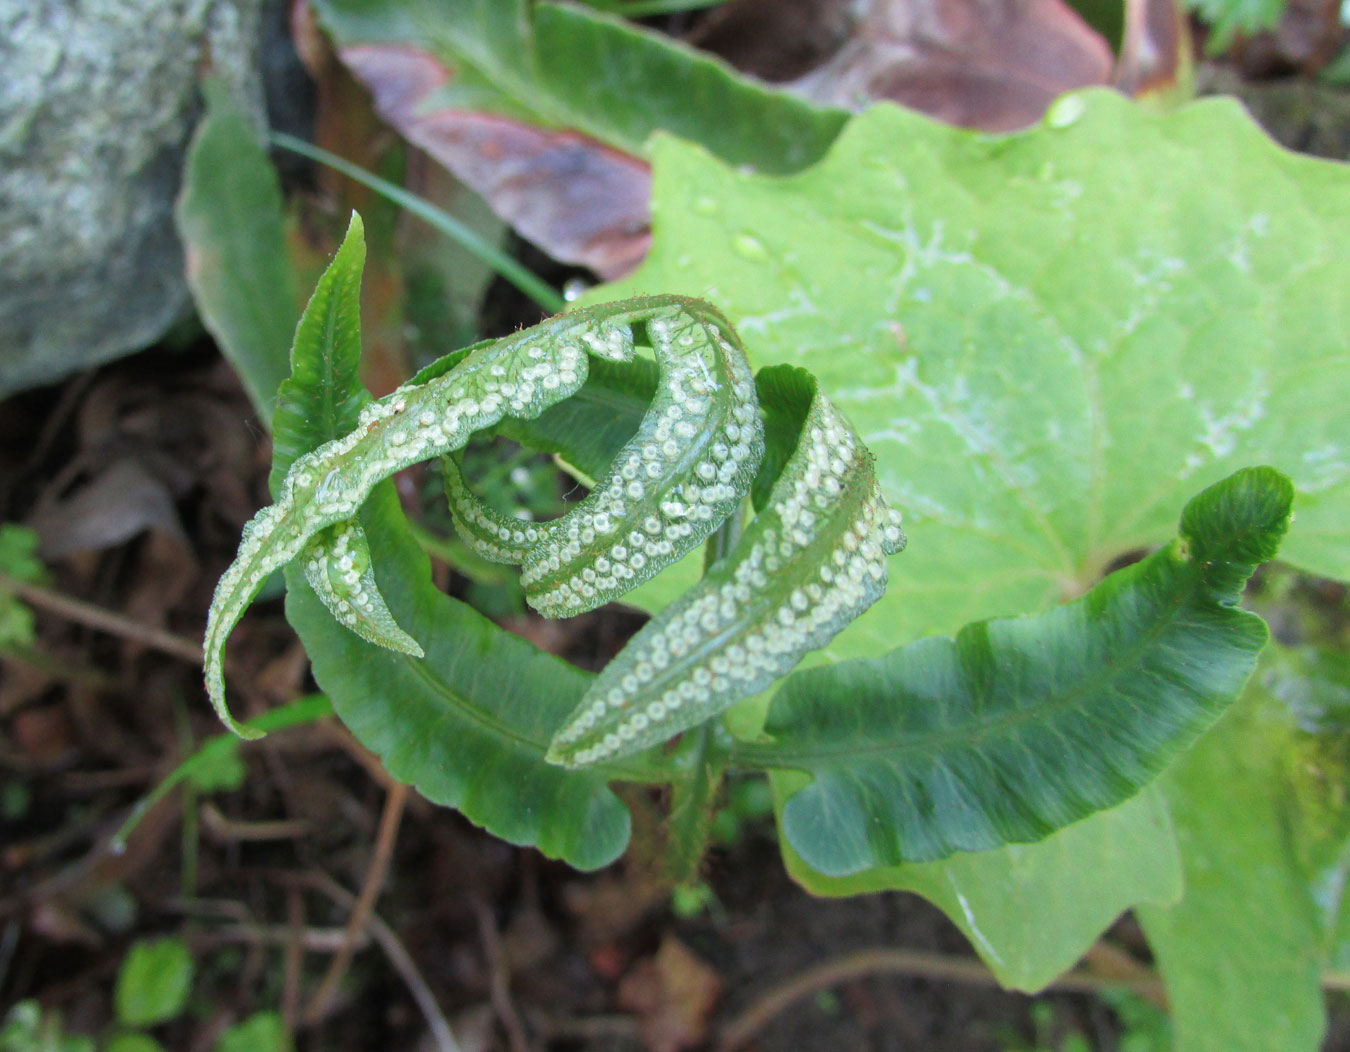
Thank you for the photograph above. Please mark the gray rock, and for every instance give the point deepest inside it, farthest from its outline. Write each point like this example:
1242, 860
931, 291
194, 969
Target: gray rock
97, 102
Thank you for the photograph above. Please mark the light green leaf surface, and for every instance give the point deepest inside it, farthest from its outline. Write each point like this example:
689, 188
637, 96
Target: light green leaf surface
562, 66
1030, 912
1049, 340
1239, 952
1021, 726
154, 982
231, 223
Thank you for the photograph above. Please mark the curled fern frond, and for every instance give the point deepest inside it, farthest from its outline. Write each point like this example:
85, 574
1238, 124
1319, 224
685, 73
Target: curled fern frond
518, 376
810, 562
687, 467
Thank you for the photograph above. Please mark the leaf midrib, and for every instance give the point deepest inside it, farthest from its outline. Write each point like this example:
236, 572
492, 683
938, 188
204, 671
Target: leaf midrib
482, 717
768, 756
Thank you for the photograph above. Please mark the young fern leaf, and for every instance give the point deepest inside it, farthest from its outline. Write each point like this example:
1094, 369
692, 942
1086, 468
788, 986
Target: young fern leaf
687, 467
518, 376
337, 566
810, 562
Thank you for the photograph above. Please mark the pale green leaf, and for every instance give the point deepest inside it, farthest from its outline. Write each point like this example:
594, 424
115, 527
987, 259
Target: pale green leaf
1030, 911
260, 1032
19, 562
1240, 951
133, 1042
230, 219
1049, 340
1312, 682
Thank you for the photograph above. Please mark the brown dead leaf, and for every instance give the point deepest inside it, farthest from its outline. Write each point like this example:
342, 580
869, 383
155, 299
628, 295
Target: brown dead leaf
990, 64
673, 994
116, 504
578, 199
610, 906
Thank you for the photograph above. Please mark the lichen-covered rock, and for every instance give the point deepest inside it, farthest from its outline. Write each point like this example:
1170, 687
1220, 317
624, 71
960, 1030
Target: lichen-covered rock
97, 102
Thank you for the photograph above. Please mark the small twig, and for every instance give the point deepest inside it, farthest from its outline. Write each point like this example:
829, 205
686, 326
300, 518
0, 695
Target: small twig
338, 735
314, 940
92, 616
365, 903
499, 978
586, 1028
1112, 963
402, 961
222, 829
916, 963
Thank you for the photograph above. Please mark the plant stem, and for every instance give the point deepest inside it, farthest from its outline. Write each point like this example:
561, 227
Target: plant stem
699, 762
520, 276
442, 1038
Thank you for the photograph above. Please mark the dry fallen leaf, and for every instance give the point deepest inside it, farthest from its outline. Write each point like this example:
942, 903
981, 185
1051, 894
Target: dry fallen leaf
673, 993
990, 64
578, 199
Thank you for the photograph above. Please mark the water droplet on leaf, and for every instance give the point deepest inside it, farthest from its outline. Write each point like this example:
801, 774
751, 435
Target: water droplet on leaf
750, 248
1065, 111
